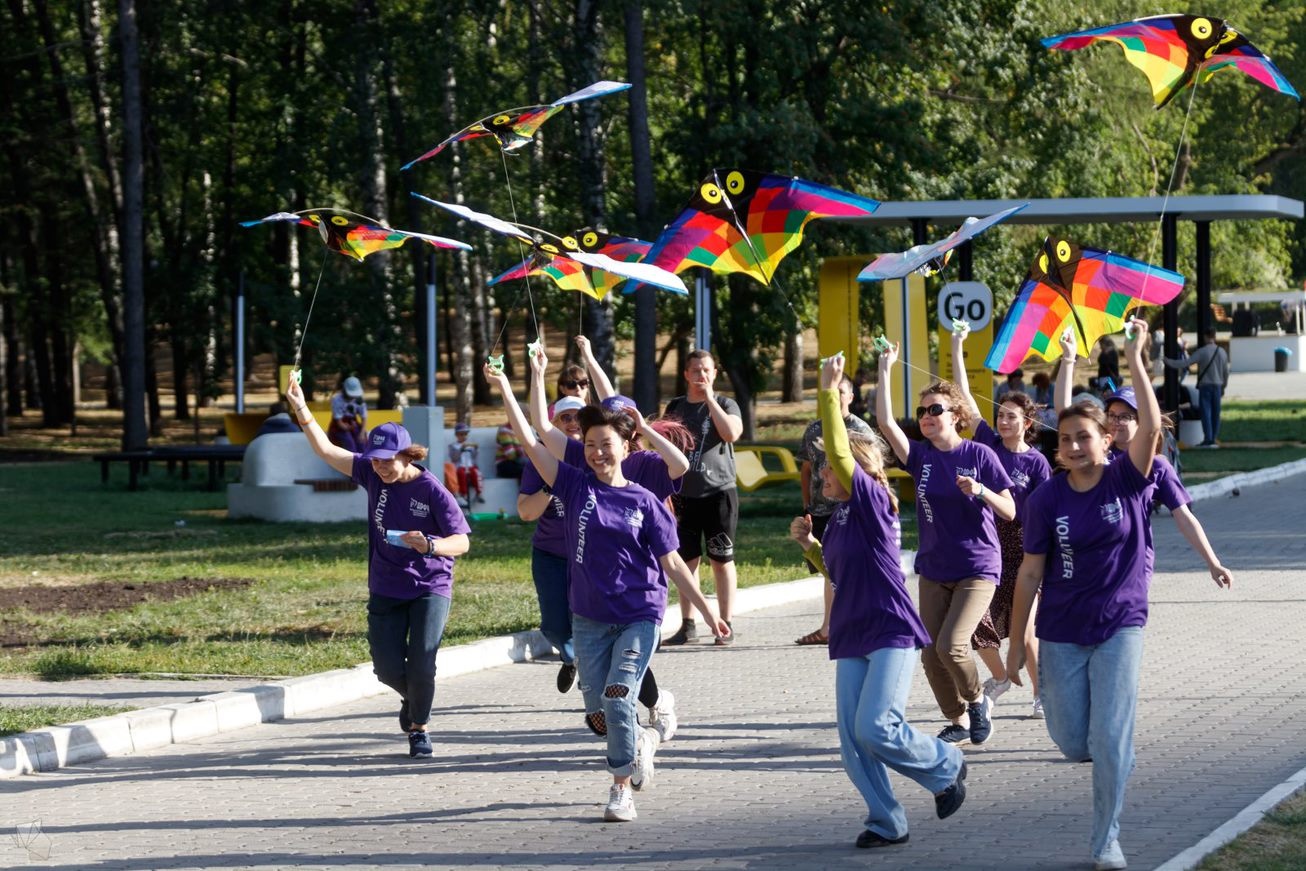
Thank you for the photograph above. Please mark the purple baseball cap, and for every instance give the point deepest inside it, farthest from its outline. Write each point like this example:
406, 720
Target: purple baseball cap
617, 402
1125, 395
387, 440
462, 426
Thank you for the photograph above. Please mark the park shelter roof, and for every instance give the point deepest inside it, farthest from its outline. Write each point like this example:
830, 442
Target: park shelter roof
1090, 210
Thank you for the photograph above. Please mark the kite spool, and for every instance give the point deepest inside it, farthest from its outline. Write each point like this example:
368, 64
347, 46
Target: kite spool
495, 363
882, 344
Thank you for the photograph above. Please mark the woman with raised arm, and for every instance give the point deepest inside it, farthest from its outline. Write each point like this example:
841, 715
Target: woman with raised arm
621, 544
658, 470
1086, 544
1027, 468
415, 531
1122, 420
960, 488
874, 630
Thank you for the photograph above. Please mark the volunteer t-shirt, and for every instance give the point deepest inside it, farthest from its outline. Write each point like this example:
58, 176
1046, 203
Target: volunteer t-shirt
958, 533
1026, 469
422, 505
645, 468
550, 528
817, 504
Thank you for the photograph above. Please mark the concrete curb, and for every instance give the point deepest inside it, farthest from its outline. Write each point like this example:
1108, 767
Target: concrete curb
57, 747
1226, 485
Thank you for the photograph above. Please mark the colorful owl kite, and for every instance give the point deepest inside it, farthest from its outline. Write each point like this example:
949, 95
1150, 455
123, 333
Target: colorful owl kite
513, 128
930, 259
744, 221
1172, 50
355, 238
1085, 289
549, 249
570, 274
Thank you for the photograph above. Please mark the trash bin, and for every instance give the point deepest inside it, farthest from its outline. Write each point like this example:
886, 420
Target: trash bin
1281, 356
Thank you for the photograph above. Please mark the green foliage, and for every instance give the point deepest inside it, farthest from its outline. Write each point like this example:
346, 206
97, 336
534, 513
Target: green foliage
25, 718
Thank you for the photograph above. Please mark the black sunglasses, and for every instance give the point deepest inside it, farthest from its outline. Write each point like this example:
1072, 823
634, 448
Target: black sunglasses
932, 410
572, 385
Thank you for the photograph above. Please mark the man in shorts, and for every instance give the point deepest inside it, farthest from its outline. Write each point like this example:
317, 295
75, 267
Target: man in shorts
707, 507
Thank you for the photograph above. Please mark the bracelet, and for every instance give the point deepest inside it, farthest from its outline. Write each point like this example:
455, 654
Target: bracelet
430, 545
979, 494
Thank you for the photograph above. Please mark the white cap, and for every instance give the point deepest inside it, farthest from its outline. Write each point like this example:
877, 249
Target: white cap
566, 403
353, 387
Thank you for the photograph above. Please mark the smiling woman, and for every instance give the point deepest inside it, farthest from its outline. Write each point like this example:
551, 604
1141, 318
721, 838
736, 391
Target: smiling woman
415, 531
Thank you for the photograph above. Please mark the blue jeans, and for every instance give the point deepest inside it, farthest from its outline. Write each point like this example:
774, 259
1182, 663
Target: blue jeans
874, 736
550, 574
612, 660
1090, 695
1211, 396
404, 636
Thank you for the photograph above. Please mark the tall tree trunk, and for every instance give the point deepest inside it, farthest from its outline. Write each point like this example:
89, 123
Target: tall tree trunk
134, 433
460, 320
791, 384
641, 157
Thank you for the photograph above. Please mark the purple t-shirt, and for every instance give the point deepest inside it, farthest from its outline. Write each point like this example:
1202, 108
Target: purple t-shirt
615, 536
1026, 469
422, 504
872, 609
958, 533
551, 528
645, 468
1097, 572
1170, 491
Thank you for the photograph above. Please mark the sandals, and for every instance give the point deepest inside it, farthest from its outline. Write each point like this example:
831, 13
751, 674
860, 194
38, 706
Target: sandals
814, 637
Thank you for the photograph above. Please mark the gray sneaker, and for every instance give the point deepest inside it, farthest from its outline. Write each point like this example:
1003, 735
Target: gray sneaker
645, 748
621, 804
662, 716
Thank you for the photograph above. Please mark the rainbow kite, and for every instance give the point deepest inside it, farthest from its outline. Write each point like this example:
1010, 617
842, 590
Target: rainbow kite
355, 238
571, 274
513, 128
1086, 290
1173, 50
744, 221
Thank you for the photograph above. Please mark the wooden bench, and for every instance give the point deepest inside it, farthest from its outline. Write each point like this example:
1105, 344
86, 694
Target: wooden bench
751, 472
138, 462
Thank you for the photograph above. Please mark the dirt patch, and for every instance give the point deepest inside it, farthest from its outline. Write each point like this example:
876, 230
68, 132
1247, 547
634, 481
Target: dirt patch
103, 596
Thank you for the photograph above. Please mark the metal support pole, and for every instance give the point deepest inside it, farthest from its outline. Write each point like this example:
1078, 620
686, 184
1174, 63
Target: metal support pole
702, 312
239, 343
1169, 259
430, 329
1204, 324
965, 262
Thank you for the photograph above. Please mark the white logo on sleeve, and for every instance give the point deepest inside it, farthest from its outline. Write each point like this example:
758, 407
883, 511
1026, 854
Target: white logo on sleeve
1112, 512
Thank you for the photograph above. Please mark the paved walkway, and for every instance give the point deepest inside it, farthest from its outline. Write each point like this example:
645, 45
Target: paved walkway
753, 779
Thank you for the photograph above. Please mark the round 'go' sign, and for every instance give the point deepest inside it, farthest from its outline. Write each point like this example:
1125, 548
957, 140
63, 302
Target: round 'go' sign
969, 301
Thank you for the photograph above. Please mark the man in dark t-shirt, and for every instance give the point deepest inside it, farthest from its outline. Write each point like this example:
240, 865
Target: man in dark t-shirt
707, 508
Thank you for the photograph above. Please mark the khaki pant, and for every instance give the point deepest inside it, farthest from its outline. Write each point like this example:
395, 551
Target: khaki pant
950, 612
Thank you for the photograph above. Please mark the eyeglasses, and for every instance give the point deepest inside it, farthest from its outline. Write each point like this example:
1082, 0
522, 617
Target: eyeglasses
572, 385
1121, 418
932, 410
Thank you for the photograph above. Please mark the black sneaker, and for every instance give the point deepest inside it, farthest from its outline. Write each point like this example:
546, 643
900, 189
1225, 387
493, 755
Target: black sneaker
981, 720
870, 839
419, 745
687, 632
566, 677
947, 802
954, 734
405, 720
727, 640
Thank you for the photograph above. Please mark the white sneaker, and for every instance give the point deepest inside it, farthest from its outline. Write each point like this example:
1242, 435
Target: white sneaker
645, 747
1036, 712
994, 688
662, 716
1112, 858
621, 804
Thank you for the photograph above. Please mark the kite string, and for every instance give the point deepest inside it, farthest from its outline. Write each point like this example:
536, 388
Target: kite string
1174, 168
304, 332
512, 204
993, 400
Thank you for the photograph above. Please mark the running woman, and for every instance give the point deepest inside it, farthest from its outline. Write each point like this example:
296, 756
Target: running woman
621, 543
874, 630
960, 487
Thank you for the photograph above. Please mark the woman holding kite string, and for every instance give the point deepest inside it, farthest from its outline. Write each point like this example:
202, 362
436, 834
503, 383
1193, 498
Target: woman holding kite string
416, 530
621, 542
874, 630
1027, 468
1087, 537
960, 488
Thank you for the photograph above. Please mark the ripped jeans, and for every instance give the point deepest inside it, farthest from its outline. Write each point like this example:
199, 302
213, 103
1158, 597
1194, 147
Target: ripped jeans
611, 660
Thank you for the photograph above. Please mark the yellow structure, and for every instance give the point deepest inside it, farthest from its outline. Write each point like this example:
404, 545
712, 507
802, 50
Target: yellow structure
839, 295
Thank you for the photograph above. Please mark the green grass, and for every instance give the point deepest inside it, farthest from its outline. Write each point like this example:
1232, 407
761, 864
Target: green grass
1205, 465
25, 719
302, 613
1268, 421
1277, 843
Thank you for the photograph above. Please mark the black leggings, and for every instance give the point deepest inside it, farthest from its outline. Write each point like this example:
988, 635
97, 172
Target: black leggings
648, 688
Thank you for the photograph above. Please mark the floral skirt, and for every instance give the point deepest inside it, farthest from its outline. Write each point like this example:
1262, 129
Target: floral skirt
995, 625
